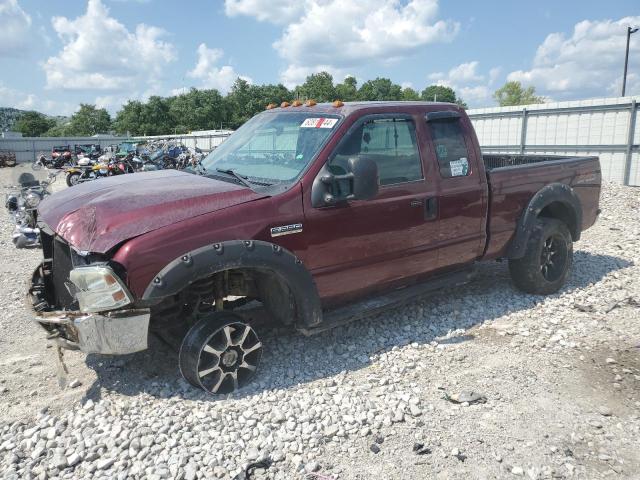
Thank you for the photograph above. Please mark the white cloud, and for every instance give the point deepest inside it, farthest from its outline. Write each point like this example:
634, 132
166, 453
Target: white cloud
494, 73
587, 63
338, 35
15, 25
99, 53
210, 74
478, 95
469, 84
274, 11
465, 72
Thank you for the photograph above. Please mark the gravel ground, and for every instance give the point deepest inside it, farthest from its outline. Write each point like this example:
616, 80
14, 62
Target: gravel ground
560, 374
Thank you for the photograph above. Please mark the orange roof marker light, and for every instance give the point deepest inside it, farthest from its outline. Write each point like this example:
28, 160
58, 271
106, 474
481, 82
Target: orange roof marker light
338, 103
271, 105
284, 104
296, 103
310, 103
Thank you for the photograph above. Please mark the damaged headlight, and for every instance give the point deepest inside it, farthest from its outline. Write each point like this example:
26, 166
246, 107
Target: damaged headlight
99, 289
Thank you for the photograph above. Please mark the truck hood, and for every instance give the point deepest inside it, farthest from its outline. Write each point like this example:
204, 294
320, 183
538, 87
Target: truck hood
95, 216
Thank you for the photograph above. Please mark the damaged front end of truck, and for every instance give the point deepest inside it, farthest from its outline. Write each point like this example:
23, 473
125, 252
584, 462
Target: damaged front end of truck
83, 303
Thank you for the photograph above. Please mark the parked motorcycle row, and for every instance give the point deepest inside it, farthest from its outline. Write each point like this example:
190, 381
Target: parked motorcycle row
22, 203
86, 163
89, 162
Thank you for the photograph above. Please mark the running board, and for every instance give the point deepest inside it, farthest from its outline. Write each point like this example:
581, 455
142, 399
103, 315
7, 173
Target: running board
372, 305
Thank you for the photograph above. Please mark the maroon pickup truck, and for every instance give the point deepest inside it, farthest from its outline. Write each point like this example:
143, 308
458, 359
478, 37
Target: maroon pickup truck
308, 216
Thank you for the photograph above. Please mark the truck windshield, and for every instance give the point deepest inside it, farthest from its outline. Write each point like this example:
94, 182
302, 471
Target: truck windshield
273, 147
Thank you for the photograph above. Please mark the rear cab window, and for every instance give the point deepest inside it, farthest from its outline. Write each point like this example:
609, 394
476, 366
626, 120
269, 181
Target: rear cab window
450, 147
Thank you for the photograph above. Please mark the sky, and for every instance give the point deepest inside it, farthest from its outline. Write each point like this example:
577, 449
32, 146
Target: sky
55, 54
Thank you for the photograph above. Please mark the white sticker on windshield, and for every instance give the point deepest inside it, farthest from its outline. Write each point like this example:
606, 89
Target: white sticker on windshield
319, 123
459, 168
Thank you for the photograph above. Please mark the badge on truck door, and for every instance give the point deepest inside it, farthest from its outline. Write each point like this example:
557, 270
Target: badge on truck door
286, 229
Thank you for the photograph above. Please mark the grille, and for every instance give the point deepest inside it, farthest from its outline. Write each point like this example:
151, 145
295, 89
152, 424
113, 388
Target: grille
60, 268
47, 244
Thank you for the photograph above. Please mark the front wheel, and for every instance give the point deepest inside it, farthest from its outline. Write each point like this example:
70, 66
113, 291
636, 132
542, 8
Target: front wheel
73, 178
547, 260
220, 353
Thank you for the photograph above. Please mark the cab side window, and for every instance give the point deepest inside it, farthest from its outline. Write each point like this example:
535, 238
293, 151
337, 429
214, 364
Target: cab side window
390, 142
450, 148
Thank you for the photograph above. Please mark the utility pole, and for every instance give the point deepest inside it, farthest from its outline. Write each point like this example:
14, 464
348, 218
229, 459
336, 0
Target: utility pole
626, 58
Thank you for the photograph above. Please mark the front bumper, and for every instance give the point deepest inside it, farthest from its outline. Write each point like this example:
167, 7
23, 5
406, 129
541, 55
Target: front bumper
116, 332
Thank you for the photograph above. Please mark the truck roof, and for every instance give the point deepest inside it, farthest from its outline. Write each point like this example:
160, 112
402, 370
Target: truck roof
350, 107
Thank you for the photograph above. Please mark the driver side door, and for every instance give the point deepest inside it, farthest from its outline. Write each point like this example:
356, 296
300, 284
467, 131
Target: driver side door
359, 247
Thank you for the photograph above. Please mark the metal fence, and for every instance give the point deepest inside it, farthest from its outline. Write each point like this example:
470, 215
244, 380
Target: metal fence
606, 127
27, 149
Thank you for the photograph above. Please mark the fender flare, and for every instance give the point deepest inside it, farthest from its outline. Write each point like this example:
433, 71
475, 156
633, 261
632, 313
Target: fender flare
554, 192
210, 259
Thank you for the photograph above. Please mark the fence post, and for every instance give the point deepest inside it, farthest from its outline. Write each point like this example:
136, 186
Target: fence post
629, 152
523, 131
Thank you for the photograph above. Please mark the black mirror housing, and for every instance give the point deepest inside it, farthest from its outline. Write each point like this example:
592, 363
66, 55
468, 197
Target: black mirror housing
365, 177
360, 183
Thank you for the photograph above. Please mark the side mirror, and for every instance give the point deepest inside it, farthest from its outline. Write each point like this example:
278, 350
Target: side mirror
359, 183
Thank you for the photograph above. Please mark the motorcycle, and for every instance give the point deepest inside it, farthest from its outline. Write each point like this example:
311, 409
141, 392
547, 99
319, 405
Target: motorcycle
80, 174
149, 161
57, 162
61, 155
22, 205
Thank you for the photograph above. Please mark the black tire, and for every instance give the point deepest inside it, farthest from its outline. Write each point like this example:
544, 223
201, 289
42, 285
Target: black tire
73, 178
220, 353
547, 260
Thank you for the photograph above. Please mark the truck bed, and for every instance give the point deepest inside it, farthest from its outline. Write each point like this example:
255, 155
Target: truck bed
495, 161
514, 179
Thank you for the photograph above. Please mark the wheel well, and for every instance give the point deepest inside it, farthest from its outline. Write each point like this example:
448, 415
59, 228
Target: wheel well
264, 295
563, 212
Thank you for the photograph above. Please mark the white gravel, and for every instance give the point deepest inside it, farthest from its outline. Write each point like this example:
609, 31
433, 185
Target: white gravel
561, 375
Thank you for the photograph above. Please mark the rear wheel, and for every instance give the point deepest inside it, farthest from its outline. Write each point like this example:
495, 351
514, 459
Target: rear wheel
547, 260
220, 353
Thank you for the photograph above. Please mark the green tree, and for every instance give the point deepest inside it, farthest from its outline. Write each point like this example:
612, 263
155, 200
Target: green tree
129, 118
89, 120
409, 93
238, 103
318, 86
380, 89
33, 124
512, 93
439, 93
156, 119
61, 129
197, 110
262, 95
347, 91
